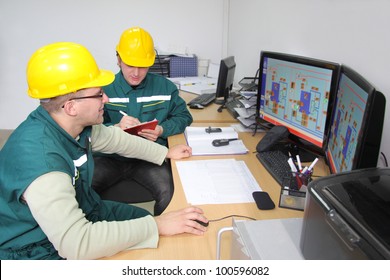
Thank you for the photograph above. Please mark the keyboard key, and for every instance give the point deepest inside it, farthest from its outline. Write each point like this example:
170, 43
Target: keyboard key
275, 162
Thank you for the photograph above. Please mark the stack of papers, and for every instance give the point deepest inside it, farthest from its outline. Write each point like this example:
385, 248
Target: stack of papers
217, 181
201, 141
197, 85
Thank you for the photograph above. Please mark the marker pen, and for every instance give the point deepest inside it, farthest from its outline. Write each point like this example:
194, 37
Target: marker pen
312, 164
292, 165
299, 162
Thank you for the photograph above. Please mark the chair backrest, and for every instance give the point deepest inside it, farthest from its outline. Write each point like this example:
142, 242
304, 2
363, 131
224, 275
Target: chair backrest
4, 134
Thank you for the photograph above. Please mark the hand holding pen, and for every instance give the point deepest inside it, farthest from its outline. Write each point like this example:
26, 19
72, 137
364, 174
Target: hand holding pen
127, 121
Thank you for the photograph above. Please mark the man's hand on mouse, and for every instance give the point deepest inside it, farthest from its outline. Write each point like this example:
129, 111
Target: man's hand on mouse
181, 221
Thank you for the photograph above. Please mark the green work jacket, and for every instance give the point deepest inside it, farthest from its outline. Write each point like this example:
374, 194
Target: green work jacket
155, 98
39, 146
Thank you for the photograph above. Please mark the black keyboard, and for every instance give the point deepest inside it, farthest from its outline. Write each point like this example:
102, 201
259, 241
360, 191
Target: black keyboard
275, 162
203, 99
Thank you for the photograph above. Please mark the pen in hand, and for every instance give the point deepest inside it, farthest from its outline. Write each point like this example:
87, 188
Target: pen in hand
123, 113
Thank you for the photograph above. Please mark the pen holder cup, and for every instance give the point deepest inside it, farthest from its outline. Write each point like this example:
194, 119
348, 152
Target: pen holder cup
293, 191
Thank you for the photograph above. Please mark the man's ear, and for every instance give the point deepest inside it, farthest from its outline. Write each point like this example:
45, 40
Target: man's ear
70, 108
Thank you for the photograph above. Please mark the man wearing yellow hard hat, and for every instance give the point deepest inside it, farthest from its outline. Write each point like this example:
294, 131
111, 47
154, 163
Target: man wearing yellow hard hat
48, 209
137, 96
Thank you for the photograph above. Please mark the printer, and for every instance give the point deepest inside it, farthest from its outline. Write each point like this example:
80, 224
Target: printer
347, 216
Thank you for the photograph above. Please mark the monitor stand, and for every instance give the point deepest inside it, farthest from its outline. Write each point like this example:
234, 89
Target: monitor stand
293, 149
222, 103
219, 101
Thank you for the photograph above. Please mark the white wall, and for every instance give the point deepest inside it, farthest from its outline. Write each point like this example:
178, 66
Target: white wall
351, 32
26, 25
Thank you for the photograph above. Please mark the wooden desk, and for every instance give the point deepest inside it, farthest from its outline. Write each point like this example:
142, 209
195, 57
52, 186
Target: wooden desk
187, 246
209, 114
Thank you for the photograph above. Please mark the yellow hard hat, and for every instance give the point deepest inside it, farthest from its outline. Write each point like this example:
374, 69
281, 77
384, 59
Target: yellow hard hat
62, 68
136, 48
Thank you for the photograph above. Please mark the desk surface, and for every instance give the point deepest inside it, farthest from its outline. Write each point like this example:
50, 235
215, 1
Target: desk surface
187, 246
208, 114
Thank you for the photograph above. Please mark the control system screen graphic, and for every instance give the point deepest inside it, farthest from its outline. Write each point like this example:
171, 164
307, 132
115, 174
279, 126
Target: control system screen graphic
297, 96
347, 123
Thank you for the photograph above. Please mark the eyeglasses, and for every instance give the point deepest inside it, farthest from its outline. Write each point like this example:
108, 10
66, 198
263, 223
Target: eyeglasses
100, 95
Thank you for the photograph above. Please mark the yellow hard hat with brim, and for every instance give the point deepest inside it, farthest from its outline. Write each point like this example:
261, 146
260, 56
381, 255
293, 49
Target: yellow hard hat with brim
61, 68
136, 47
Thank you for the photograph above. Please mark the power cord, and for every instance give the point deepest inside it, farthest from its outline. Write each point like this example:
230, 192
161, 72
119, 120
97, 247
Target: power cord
159, 62
385, 159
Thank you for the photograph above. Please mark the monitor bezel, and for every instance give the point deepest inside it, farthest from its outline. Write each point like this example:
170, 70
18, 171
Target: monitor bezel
334, 67
366, 86
227, 68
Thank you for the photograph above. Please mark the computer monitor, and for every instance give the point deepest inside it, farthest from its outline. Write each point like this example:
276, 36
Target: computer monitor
357, 123
225, 79
298, 93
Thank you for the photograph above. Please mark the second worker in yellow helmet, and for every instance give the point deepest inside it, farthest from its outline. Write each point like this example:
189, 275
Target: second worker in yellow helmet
142, 96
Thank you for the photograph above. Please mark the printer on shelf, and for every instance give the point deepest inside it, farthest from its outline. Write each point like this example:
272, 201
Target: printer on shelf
347, 216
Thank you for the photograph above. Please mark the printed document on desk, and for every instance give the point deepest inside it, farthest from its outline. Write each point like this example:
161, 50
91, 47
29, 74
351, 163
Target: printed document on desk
197, 85
217, 181
201, 141
199, 88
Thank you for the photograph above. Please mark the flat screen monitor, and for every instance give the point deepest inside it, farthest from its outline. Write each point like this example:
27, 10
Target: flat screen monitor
298, 93
225, 79
357, 123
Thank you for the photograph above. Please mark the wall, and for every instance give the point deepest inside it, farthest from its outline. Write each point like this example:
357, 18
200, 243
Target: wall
26, 25
351, 32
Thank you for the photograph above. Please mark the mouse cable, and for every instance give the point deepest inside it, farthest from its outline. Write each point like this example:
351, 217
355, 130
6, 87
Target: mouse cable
232, 216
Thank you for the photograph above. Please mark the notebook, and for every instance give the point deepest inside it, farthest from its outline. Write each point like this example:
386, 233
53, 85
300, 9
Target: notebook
145, 125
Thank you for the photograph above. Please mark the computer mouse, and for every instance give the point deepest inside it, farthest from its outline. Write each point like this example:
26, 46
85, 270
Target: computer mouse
196, 106
220, 142
202, 223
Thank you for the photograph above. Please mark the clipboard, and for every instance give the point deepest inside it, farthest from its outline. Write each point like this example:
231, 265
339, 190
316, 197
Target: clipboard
134, 130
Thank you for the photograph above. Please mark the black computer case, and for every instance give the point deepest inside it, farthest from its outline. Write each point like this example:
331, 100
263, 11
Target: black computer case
347, 216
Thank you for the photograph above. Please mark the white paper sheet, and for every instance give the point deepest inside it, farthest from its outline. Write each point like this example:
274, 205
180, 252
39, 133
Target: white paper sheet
217, 181
201, 142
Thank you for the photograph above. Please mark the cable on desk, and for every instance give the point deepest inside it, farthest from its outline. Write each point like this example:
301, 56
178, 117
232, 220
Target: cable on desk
385, 159
232, 216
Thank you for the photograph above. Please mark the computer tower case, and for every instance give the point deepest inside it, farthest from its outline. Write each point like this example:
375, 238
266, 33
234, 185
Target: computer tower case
347, 216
